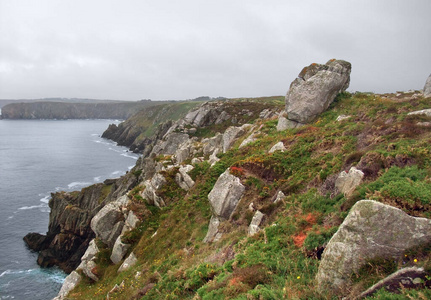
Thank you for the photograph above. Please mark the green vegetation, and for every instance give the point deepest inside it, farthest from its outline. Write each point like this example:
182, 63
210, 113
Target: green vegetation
280, 261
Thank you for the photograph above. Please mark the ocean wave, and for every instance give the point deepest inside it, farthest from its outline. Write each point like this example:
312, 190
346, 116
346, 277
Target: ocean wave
54, 275
45, 199
78, 183
134, 156
97, 178
42, 205
117, 173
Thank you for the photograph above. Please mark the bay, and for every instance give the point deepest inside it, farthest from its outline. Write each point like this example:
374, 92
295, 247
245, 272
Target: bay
38, 157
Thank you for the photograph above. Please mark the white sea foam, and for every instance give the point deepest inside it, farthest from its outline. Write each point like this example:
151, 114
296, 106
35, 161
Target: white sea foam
117, 173
42, 205
129, 155
77, 184
97, 178
45, 199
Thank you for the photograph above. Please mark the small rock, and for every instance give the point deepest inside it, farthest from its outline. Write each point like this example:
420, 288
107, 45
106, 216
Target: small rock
346, 183
129, 262
277, 147
284, 123
280, 197
426, 112
132, 220
343, 117
255, 222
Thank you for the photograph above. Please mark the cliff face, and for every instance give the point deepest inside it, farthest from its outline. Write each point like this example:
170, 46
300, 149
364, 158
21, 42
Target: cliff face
140, 131
69, 231
64, 110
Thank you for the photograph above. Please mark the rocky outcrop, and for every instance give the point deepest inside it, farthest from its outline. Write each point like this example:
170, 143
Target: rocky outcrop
108, 223
232, 134
371, 230
412, 277
88, 264
426, 112
183, 179
284, 123
346, 183
119, 250
427, 87
71, 281
151, 187
223, 198
315, 89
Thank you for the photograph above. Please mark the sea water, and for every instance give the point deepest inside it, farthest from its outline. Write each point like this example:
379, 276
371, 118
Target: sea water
38, 157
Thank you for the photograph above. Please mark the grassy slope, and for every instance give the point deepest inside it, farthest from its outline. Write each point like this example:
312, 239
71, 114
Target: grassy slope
281, 261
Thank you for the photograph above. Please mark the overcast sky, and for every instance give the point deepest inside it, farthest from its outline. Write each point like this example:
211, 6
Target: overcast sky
182, 49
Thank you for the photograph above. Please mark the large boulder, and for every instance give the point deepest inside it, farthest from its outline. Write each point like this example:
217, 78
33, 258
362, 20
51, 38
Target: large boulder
225, 195
119, 250
223, 198
108, 223
427, 87
151, 187
315, 89
371, 230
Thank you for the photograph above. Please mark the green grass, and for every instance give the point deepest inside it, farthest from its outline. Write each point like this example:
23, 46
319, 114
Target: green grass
281, 261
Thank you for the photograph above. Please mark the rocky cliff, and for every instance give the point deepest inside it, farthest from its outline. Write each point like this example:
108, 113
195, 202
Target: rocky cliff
68, 110
229, 205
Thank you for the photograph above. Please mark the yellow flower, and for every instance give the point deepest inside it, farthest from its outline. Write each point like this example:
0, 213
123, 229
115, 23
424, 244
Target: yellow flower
415, 260
299, 277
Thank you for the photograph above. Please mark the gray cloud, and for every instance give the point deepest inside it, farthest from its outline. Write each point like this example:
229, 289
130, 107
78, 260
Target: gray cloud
184, 49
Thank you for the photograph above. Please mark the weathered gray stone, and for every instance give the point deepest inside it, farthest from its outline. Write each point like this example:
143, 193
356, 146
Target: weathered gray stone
224, 116
183, 179
213, 235
87, 269
342, 118
132, 220
280, 196
427, 87
91, 251
213, 158
266, 114
71, 281
210, 145
255, 223
115, 233
315, 89
412, 277
250, 139
284, 123
346, 183
371, 230
232, 134
104, 221
129, 262
426, 112
170, 143
277, 147
119, 250
151, 186
225, 195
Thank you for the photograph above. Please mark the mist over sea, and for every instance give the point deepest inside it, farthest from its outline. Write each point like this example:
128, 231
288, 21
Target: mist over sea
38, 157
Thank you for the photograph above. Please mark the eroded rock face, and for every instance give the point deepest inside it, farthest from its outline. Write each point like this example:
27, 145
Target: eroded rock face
183, 179
371, 230
151, 186
232, 134
427, 87
315, 88
119, 250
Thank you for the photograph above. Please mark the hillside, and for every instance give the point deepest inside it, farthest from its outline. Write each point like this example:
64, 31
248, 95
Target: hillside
75, 110
237, 201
